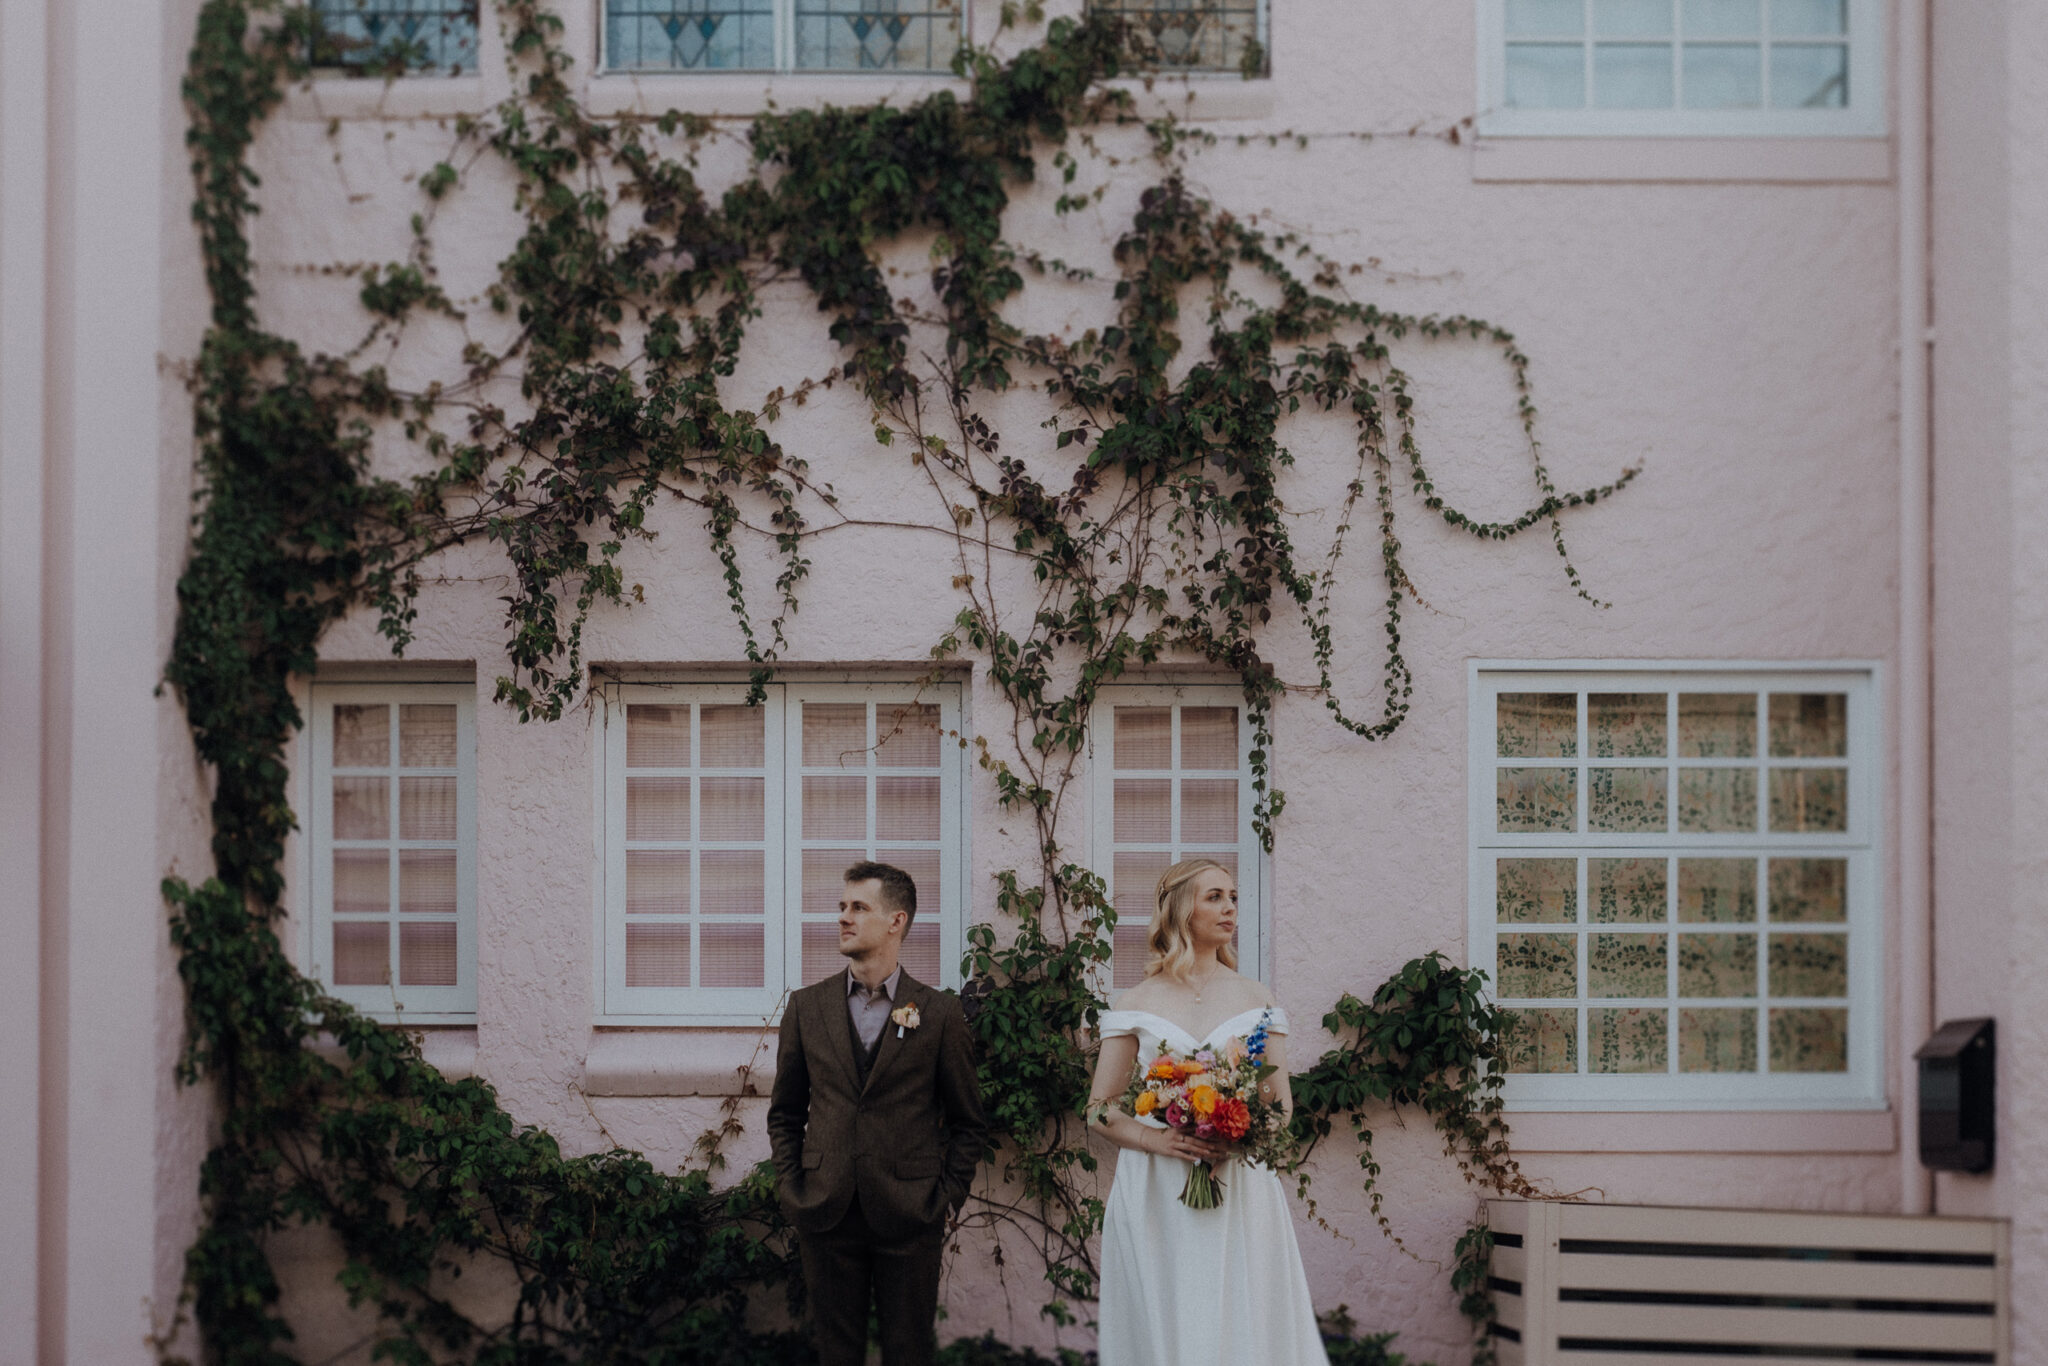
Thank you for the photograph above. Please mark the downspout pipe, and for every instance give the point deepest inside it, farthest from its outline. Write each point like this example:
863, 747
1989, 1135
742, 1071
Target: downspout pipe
1915, 918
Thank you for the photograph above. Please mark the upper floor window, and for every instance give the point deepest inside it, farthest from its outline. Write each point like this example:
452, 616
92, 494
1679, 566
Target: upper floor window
393, 833
1701, 68
1674, 885
782, 35
1173, 780
728, 829
392, 36
1194, 35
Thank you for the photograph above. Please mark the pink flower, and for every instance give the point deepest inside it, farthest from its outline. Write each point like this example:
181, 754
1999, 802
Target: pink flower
1178, 1114
1205, 1131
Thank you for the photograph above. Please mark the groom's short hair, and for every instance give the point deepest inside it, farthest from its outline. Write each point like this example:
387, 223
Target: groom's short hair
899, 890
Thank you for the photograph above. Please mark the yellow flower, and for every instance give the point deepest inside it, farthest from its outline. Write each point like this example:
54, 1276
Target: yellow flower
1203, 1099
1147, 1103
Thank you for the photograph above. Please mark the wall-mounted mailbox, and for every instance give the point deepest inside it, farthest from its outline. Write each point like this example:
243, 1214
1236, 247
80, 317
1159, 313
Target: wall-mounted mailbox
1957, 1099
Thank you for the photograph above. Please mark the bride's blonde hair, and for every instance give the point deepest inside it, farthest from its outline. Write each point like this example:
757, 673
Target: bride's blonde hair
1170, 943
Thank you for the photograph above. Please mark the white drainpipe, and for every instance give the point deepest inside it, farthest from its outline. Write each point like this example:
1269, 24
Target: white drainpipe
1915, 690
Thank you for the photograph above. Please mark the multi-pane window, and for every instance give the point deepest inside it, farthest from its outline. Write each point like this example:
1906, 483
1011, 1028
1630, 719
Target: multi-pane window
393, 836
1193, 35
729, 828
1677, 67
782, 35
1173, 780
402, 35
1673, 884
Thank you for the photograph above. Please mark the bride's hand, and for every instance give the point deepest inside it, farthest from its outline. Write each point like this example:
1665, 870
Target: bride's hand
1188, 1148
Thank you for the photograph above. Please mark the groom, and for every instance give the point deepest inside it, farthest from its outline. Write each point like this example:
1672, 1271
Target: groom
876, 1126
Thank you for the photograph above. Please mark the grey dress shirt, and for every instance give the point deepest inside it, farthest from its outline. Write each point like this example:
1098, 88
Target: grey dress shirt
870, 1009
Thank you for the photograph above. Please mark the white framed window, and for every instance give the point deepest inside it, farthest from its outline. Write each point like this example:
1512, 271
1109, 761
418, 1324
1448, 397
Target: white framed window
1195, 36
1681, 68
728, 828
393, 836
1172, 779
1674, 883
424, 37
782, 35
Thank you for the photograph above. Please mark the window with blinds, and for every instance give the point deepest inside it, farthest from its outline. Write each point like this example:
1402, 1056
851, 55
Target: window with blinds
729, 828
1173, 780
1674, 884
393, 833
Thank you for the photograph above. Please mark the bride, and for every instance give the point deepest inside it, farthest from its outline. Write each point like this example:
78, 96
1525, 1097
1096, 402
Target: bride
1184, 1287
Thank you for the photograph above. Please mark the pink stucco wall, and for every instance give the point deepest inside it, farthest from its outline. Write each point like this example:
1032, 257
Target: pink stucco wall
1726, 314
1990, 209
1735, 335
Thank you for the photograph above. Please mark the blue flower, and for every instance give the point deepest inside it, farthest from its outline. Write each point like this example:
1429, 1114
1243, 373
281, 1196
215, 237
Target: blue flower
1255, 1042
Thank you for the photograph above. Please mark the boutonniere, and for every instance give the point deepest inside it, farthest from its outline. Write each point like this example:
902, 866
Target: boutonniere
905, 1017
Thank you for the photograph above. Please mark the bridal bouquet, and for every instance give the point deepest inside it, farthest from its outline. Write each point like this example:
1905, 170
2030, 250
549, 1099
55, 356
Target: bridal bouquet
1212, 1093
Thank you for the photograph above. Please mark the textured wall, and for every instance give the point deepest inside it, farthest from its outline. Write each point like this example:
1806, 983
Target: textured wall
1736, 336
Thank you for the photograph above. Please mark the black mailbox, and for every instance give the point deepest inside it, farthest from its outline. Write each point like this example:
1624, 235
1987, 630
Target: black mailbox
1957, 1099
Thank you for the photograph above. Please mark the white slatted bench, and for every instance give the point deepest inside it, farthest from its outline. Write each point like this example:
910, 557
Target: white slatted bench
1622, 1285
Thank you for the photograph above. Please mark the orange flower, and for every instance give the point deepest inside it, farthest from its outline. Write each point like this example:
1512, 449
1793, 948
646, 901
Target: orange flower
1233, 1117
1147, 1103
1163, 1070
1191, 1068
1203, 1100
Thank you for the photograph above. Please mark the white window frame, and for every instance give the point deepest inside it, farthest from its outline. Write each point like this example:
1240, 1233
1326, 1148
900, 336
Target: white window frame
1863, 117
1263, 34
946, 904
1862, 1086
393, 1003
1253, 877
785, 53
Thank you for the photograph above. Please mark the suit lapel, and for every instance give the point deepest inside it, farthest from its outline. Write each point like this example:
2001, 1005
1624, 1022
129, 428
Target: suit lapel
832, 1020
909, 991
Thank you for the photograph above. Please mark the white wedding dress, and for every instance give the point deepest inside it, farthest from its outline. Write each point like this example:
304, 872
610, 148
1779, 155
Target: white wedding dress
1183, 1287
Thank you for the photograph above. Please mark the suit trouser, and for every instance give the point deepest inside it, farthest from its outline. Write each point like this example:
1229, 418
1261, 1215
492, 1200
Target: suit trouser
847, 1267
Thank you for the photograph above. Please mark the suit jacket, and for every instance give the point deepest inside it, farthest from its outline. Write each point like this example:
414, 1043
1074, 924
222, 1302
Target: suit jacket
907, 1142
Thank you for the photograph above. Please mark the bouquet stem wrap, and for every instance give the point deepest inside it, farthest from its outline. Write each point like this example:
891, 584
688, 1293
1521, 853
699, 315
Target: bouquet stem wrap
1204, 1189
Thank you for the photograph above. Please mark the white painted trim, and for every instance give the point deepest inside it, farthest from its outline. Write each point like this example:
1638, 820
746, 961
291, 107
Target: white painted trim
1862, 1086
394, 1003
1254, 882
1864, 118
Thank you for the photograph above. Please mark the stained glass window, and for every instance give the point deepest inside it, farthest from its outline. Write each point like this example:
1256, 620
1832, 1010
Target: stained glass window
437, 36
782, 35
1676, 899
1193, 35
729, 828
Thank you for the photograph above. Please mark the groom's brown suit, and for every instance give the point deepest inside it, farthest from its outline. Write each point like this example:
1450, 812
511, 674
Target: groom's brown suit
872, 1151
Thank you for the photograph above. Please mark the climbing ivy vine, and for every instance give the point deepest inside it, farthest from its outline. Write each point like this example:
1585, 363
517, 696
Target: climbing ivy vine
591, 408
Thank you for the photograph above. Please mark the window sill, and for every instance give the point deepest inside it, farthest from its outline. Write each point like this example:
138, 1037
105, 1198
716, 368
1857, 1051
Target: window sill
685, 1061
325, 98
448, 1049
1682, 160
1198, 99
745, 94
1666, 1131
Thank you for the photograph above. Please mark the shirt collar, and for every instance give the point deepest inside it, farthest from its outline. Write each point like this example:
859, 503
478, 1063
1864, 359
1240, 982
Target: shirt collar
888, 987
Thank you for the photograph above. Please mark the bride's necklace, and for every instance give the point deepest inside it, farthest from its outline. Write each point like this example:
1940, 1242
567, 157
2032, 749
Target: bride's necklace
1204, 985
